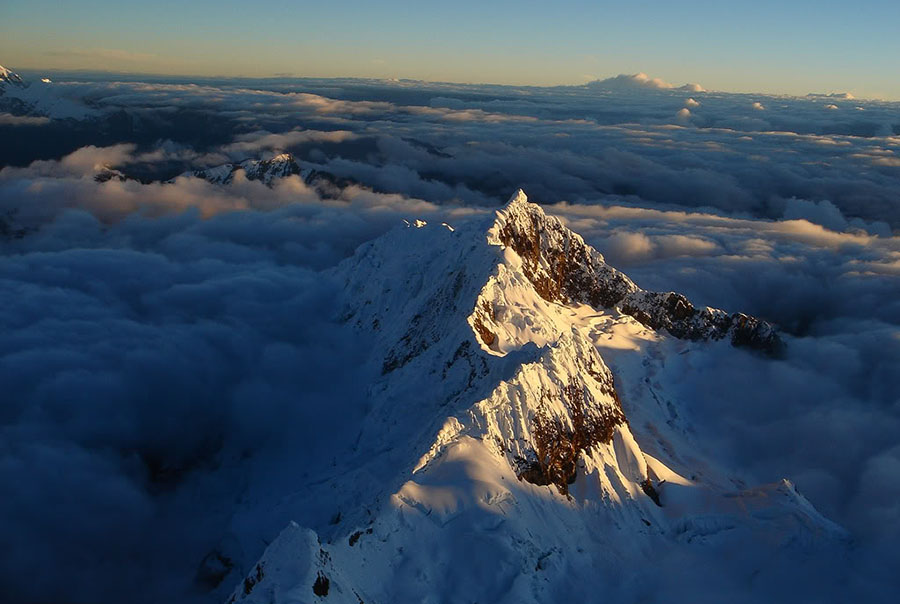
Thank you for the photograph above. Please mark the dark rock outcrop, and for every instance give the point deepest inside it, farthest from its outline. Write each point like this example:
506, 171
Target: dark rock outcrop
564, 269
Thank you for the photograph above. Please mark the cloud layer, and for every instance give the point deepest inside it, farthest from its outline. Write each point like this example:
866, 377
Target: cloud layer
747, 153
166, 345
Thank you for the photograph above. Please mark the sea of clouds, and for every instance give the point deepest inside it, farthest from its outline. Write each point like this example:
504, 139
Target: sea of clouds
162, 345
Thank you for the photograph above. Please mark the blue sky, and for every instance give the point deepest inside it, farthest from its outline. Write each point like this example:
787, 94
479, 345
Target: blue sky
764, 46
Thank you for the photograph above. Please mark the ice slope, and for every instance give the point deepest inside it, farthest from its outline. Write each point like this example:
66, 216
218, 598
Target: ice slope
501, 458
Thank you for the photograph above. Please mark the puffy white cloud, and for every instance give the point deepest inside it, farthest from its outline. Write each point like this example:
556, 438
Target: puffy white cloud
833, 95
255, 142
639, 81
625, 247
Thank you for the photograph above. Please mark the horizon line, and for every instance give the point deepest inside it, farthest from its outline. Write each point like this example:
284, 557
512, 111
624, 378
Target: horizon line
673, 88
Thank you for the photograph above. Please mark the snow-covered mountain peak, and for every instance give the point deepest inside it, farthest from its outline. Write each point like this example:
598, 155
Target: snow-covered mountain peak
265, 170
11, 77
522, 398
282, 158
564, 269
270, 172
556, 260
40, 98
519, 198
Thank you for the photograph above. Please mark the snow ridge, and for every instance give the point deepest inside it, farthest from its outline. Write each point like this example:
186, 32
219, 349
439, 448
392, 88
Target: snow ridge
564, 269
501, 458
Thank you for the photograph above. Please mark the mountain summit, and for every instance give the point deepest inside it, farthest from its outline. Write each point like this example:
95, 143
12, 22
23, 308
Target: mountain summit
10, 77
528, 435
269, 172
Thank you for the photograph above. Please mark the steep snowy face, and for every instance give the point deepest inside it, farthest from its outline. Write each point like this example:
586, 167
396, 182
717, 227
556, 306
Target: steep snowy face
10, 77
502, 459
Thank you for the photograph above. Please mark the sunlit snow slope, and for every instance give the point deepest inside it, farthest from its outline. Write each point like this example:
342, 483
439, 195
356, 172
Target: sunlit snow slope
529, 436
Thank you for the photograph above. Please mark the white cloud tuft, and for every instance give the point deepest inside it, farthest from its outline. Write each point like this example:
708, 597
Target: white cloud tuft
638, 81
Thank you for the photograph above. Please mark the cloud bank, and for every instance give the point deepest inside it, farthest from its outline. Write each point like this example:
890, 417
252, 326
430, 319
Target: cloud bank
169, 347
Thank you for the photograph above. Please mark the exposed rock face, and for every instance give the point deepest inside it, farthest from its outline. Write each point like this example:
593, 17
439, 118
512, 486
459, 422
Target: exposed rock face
675, 313
564, 269
552, 412
559, 443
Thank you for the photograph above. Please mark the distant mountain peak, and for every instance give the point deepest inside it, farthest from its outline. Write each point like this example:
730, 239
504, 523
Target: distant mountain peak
11, 77
270, 171
40, 99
